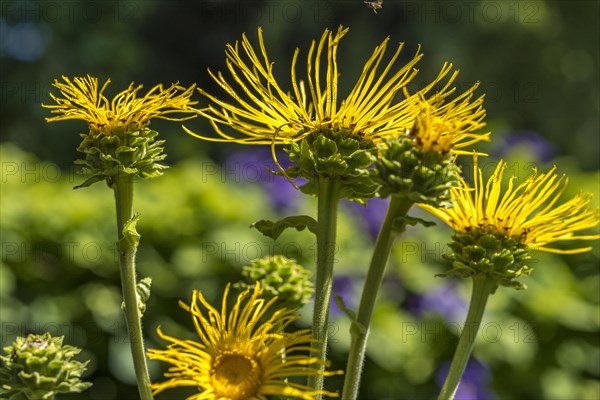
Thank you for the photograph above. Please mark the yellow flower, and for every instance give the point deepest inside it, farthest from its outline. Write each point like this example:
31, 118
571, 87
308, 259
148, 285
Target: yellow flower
263, 113
82, 100
529, 211
450, 126
242, 354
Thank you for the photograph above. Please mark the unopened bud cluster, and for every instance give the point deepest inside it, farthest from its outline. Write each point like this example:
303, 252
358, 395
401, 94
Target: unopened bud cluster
281, 277
39, 367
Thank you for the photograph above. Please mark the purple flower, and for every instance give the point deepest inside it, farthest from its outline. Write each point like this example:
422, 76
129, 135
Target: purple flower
443, 300
345, 287
371, 216
255, 166
542, 149
474, 384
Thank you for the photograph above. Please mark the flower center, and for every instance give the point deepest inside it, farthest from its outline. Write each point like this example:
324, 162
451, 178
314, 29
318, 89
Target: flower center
236, 376
107, 121
433, 134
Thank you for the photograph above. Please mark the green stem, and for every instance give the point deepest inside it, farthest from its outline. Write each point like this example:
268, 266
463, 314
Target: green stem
482, 288
123, 187
328, 201
360, 328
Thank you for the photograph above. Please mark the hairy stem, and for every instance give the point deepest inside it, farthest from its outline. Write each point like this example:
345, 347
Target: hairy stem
328, 201
482, 288
360, 327
123, 187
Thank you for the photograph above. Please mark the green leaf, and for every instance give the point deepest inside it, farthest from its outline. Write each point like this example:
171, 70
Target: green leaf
340, 303
91, 180
399, 223
356, 326
131, 238
275, 229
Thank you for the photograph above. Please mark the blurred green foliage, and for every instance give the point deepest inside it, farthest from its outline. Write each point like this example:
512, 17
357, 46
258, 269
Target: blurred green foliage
537, 60
59, 273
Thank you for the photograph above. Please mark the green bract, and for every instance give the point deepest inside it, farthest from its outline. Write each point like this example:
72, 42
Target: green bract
482, 251
134, 153
404, 170
39, 367
334, 155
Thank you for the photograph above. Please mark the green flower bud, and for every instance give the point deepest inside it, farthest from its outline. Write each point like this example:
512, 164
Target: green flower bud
281, 277
39, 367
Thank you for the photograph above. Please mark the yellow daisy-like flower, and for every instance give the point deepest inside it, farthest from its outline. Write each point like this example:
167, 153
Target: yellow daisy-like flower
81, 99
243, 353
529, 211
263, 113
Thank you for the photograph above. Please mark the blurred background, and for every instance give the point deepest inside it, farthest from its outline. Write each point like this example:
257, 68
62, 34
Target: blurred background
538, 63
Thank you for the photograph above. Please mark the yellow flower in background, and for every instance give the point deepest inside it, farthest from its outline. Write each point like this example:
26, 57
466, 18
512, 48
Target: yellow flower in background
449, 127
81, 99
243, 352
530, 210
379, 106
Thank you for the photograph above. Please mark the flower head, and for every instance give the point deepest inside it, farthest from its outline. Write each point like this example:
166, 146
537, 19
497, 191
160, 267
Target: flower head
243, 353
496, 230
528, 211
81, 99
450, 126
420, 166
119, 140
263, 113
